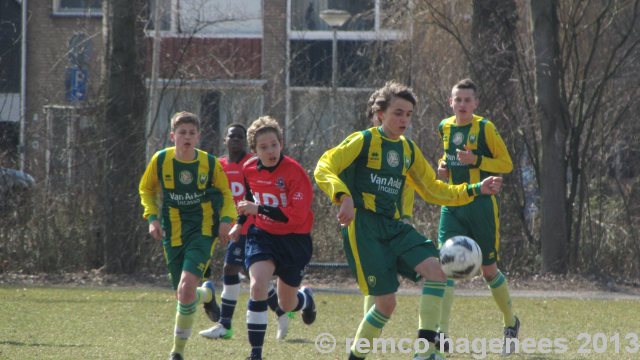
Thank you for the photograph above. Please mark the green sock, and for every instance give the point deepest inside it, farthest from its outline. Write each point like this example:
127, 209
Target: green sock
369, 302
370, 328
185, 315
447, 304
430, 308
500, 292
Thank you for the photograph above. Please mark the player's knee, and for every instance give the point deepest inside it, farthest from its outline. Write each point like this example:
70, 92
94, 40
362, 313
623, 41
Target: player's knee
286, 304
186, 293
229, 269
430, 270
489, 272
259, 290
386, 304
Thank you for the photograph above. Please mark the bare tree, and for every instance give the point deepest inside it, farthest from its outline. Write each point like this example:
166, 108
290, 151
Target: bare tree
552, 115
123, 128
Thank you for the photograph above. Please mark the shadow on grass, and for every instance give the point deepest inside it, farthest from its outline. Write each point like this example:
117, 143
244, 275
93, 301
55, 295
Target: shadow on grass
36, 344
299, 341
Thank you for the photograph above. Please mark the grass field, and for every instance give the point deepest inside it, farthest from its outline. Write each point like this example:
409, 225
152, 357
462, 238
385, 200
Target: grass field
99, 323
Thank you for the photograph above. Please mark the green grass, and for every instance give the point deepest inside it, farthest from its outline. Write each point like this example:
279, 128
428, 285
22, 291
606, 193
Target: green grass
97, 323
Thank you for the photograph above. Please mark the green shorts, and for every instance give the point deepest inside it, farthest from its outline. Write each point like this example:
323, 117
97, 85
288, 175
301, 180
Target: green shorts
477, 220
379, 249
192, 256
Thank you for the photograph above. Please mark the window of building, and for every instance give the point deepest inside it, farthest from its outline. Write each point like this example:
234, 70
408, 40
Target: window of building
362, 42
360, 62
77, 7
236, 18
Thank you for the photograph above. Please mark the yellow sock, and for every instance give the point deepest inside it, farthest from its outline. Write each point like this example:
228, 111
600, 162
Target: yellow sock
203, 295
185, 315
447, 304
430, 309
370, 328
500, 292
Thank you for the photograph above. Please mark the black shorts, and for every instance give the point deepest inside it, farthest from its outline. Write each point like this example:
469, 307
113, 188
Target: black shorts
290, 253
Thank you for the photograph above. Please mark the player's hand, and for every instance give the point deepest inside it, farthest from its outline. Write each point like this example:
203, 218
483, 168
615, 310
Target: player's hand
443, 170
155, 230
466, 156
234, 234
245, 207
491, 185
346, 212
223, 232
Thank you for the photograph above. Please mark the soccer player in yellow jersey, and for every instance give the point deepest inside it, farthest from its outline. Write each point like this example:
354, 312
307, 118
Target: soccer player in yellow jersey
195, 196
366, 175
474, 150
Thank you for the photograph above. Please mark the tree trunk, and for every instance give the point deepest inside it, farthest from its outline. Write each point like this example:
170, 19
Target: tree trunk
123, 129
493, 51
551, 112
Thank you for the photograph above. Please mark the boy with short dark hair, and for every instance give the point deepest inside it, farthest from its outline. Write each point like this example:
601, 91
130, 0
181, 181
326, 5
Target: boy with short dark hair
474, 150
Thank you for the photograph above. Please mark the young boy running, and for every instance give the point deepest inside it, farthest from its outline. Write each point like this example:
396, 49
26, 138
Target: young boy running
366, 175
279, 196
236, 142
191, 184
473, 150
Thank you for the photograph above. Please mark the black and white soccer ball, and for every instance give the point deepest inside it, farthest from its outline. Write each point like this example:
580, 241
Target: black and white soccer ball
460, 257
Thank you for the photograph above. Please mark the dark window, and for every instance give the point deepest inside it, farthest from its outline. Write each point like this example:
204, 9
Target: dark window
310, 63
165, 14
80, 5
10, 27
359, 62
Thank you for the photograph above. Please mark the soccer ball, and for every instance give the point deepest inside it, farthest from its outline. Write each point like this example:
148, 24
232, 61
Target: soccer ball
460, 257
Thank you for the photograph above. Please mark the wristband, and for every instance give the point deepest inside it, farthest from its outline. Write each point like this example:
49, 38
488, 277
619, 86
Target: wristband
478, 161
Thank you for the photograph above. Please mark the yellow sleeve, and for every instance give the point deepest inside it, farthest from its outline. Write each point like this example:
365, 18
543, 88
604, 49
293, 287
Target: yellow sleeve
149, 188
408, 198
333, 162
228, 212
500, 162
423, 179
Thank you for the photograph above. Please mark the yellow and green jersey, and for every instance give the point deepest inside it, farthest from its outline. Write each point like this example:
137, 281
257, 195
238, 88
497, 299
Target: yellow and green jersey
374, 170
191, 194
480, 136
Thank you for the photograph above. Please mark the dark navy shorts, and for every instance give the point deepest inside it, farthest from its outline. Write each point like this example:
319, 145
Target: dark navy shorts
235, 252
290, 253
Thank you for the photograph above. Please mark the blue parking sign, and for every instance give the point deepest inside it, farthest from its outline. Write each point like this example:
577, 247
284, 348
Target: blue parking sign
76, 84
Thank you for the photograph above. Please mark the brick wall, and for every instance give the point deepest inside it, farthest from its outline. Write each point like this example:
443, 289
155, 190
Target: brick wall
47, 46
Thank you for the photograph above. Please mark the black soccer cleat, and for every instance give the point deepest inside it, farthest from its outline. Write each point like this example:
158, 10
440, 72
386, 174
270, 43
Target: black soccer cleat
510, 333
309, 312
211, 308
442, 342
175, 356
